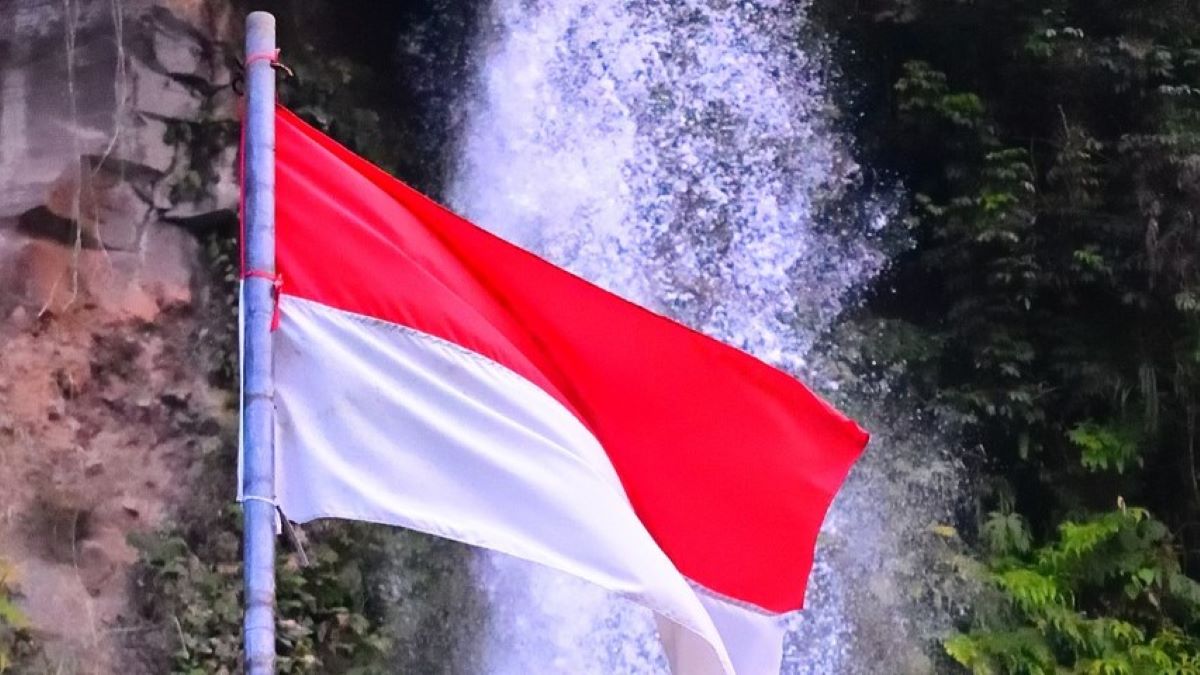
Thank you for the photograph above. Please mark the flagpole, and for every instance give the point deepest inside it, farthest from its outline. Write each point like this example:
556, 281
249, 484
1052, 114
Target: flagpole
258, 462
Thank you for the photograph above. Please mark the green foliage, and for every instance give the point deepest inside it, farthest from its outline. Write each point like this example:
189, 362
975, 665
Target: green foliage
1104, 447
922, 92
1051, 153
1006, 533
218, 338
1019, 652
199, 145
19, 651
328, 92
1049, 605
321, 623
1050, 308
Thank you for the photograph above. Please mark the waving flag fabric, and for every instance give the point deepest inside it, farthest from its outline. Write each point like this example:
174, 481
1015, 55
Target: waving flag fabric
433, 376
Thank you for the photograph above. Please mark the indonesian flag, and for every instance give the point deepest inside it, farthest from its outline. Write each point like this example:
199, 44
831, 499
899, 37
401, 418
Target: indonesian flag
431, 375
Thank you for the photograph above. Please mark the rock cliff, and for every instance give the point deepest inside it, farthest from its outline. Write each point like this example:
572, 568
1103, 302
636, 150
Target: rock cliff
117, 157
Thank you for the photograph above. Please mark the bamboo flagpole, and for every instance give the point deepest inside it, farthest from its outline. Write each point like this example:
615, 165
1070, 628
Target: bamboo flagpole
258, 304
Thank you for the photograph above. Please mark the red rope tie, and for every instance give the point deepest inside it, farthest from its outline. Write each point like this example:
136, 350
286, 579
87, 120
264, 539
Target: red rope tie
271, 57
276, 291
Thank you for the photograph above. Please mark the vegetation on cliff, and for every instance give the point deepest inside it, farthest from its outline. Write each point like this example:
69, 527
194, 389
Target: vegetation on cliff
19, 651
1048, 308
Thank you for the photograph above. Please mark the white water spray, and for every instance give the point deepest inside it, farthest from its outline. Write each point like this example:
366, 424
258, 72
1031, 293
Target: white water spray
679, 154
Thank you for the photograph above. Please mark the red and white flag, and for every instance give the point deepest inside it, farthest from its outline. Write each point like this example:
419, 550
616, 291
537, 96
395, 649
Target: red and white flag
431, 375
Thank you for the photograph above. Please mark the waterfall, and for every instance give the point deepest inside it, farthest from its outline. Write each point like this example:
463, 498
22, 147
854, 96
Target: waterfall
682, 154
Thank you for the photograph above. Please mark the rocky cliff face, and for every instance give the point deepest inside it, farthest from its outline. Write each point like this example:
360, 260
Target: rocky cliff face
117, 154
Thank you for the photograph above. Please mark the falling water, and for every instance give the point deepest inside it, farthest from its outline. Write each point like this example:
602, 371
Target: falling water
681, 154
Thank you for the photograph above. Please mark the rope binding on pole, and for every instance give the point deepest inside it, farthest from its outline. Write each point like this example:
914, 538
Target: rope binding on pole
271, 57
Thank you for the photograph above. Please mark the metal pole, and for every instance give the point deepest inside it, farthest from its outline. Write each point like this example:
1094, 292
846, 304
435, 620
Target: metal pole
258, 461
